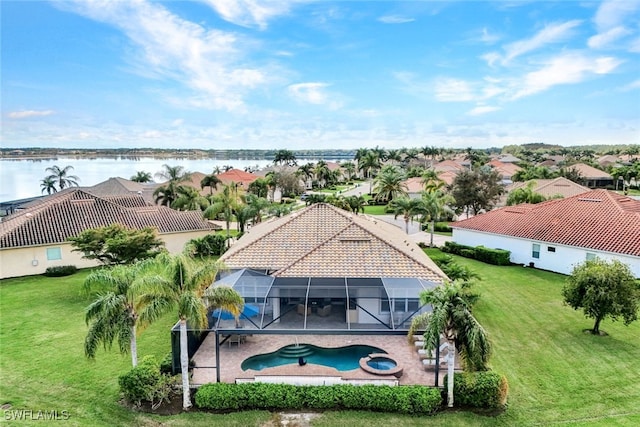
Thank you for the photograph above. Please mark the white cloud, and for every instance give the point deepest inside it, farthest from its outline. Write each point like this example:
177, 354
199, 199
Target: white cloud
168, 47
631, 86
552, 33
453, 90
601, 40
313, 93
249, 13
634, 46
612, 13
395, 19
482, 109
564, 69
25, 114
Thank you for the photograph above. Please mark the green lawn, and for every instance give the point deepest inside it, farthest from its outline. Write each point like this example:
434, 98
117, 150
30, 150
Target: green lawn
557, 373
375, 210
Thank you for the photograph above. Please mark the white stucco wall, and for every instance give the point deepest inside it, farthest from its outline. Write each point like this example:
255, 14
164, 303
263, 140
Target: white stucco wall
16, 262
561, 261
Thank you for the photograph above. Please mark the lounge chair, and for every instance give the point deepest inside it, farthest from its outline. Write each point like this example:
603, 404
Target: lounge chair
324, 311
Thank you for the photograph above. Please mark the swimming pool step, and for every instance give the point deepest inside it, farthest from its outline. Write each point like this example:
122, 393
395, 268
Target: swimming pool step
295, 352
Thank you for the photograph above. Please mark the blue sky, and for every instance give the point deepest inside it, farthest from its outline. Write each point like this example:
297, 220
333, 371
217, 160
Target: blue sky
306, 75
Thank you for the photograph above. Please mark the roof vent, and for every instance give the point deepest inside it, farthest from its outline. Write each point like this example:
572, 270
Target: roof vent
584, 199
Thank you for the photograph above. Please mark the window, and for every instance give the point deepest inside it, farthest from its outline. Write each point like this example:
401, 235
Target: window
54, 254
384, 306
591, 256
535, 250
551, 248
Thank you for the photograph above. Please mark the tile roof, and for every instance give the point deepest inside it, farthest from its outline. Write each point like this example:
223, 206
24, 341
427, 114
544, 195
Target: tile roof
69, 212
324, 241
599, 219
589, 172
448, 165
506, 170
238, 176
552, 187
414, 185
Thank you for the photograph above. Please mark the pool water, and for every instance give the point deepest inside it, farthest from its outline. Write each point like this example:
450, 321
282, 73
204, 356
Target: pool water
382, 364
341, 358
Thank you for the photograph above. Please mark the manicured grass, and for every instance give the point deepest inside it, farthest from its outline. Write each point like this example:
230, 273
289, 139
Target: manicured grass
43, 367
557, 374
375, 210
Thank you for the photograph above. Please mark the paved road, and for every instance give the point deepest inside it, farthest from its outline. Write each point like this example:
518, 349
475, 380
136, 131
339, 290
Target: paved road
414, 231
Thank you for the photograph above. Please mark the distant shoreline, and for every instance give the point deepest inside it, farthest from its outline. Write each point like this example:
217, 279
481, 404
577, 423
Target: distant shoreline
36, 154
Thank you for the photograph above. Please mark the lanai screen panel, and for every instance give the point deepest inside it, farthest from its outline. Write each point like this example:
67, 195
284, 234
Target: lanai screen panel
403, 287
289, 287
366, 288
327, 287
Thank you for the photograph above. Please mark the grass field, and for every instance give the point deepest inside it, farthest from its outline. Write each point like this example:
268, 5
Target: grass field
557, 373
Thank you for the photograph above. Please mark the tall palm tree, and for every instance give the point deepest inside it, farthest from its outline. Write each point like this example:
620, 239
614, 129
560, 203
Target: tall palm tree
48, 184
350, 169
408, 208
285, 157
224, 203
389, 184
435, 204
62, 177
210, 181
167, 193
356, 204
451, 316
142, 176
369, 163
122, 308
186, 286
322, 173
189, 199
306, 171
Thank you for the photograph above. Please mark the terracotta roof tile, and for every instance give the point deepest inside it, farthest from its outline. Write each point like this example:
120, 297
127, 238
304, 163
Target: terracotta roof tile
67, 213
323, 241
599, 219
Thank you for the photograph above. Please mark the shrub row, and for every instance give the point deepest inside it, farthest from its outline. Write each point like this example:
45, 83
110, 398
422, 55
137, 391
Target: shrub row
209, 245
236, 397
60, 271
441, 227
486, 390
481, 253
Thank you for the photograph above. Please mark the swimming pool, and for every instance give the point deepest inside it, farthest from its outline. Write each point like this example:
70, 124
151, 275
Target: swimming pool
341, 358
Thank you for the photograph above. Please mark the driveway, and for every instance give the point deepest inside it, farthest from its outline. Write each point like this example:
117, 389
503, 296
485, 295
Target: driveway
414, 231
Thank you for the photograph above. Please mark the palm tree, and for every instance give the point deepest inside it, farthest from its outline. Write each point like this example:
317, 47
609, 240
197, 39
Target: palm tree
322, 173
142, 176
306, 171
389, 183
210, 181
224, 203
369, 163
167, 193
408, 208
451, 316
186, 286
435, 205
48, 184
121, 310
189, 199
285, 157
62, 177
356, 204
350, 169
525, 195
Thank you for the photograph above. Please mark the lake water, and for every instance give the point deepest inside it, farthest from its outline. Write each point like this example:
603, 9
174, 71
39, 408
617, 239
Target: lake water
21, 178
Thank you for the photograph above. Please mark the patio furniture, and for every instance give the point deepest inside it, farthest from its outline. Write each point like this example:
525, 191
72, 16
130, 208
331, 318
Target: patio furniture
324, 311
301, 309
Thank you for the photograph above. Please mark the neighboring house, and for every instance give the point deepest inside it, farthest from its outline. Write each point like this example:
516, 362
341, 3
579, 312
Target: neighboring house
558, 234
592, 177
506, 170
449, 166
550, 188
415, 187
509, 158
242, 178
122, 187
352, 271
34, 239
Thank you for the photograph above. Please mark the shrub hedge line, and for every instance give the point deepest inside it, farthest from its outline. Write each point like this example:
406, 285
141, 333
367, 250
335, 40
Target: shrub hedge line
60, 271
486, 390
481, 253
236, 397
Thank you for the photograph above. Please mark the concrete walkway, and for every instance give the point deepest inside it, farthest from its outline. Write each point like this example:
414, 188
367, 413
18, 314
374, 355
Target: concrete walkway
414, 231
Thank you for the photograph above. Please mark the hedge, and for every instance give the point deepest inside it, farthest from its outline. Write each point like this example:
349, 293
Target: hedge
224, 397
60, 271
485, 390
481, 253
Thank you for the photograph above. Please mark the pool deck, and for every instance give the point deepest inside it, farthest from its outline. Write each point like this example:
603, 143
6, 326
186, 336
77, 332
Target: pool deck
232, 355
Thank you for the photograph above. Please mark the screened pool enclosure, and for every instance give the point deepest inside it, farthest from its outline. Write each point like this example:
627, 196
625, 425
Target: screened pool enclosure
321, 302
